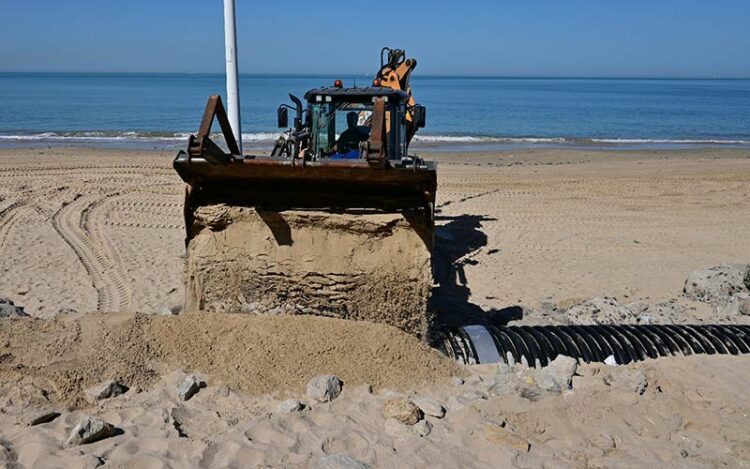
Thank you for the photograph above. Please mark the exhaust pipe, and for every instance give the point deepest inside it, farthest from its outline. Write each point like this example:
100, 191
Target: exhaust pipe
233, 87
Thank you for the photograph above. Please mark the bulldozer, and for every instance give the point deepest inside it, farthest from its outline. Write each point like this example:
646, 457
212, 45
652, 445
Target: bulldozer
309, 167
338, 219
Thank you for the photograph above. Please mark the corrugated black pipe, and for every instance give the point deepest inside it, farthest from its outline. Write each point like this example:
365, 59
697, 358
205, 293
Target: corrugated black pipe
539, 345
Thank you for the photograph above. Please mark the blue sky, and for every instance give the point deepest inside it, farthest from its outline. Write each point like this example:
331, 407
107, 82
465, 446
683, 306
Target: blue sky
656, 38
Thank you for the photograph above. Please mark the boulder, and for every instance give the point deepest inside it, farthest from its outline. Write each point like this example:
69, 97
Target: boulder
324, 388
718, 285
403, 410
89, 429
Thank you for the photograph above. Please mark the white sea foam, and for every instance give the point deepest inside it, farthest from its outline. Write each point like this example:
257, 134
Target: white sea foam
263, 138
637, 141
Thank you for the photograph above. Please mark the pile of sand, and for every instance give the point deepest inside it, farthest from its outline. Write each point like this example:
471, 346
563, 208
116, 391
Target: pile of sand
372, 267
256, 355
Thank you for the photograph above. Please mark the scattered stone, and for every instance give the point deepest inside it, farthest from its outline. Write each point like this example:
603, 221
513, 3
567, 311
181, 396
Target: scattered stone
497, 434
44, 416
717, 285
403, 410
398, 430
744, 307
89, 429
535, 384
562, 369
290, 406
8, 309
324, 388
105, 390
544, 382
457, 381
339, 461
629, 378
422, 428
189, 387
66, 311
429, 406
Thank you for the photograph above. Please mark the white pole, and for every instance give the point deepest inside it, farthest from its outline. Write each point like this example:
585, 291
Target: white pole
233, 89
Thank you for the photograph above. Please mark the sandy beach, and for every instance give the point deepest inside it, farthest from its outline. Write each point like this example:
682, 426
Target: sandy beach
92, 247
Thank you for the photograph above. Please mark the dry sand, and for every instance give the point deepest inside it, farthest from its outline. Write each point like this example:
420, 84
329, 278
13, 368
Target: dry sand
100, 231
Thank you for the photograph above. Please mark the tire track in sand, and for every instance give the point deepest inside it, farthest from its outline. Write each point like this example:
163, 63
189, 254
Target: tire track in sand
75, 223
7, 218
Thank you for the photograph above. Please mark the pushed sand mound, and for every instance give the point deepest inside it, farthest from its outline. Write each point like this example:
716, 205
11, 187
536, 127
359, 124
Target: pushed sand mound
257, 355
372, 267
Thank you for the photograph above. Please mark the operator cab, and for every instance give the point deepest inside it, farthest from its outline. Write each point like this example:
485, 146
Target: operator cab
339, 122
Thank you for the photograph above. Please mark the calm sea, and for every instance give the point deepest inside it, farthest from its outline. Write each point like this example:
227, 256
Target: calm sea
159, 110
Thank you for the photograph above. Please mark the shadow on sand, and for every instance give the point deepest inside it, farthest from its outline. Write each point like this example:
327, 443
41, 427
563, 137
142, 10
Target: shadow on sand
456, 242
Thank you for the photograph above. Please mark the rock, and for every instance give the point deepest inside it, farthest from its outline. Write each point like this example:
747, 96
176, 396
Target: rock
422, 428
324, 388
89, 429
289, 406
717, 285
429, 406
744, 307
105, 390
497, 434
600, 310
8, 309
41, 417
66, 311
547, 383
629, 378
403, 410
457, 381
189, 387
562, 369
533, 384
339, 461
398, 430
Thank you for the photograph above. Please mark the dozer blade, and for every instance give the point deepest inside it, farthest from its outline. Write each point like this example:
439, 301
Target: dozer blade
279, 183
